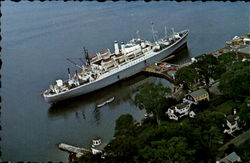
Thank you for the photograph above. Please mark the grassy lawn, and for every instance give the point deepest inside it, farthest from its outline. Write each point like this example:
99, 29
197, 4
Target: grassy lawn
225, 107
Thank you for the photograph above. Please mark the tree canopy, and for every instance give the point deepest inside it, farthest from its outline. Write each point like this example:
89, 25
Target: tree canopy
226, 60
236, 82
244, 113
207, 67
173, 150
125, 125
123, 147
152, 98
190, 140
188, 75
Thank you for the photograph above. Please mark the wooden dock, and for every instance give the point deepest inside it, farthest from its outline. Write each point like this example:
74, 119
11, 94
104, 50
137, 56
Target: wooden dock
163, 69
159, 72
78, 152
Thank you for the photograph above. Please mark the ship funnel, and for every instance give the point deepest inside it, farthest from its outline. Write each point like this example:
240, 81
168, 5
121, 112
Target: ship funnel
123, 48
117, 51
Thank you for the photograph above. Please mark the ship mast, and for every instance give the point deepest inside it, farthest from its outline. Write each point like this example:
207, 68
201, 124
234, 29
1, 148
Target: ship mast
81, 60
86, 55
153, 31
137, 33
69, 73
166, 32
74, 63
173, 33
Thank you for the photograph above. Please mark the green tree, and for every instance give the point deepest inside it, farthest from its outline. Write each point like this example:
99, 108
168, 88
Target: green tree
226, 60
244, 114
207, 134
123, 147
207, 67
173, 150
125, 125
187, 75
152, 98
89, 157
178, 150
244, 151
152, 133
236, 82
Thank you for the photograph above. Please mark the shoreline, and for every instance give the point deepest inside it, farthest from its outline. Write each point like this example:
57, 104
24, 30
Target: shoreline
155, 69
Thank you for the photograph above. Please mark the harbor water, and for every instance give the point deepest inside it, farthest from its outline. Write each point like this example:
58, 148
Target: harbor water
37, 37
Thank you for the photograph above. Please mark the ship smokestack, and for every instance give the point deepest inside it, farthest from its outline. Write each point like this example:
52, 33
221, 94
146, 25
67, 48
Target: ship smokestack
117, 51
123, 47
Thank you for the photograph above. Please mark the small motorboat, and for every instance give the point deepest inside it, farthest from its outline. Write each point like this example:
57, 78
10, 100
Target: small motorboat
110, 100
106, 102
101, 105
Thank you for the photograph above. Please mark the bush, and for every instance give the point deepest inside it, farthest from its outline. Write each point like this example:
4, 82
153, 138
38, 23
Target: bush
201, 106
217, 100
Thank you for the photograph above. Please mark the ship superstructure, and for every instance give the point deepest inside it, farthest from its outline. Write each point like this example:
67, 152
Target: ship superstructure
105, 68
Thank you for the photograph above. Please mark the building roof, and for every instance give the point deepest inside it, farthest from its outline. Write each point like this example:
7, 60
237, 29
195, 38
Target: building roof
182, 105
231, 118
230, 158
198, 93
245, 50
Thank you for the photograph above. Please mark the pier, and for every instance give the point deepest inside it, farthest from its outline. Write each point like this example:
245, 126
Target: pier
75, 151
164, 70
158, 71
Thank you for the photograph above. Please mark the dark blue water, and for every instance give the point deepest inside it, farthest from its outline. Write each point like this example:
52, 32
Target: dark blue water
39, 36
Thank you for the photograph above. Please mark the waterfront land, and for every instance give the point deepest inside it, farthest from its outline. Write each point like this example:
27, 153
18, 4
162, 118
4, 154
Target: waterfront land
224, 74
38, 37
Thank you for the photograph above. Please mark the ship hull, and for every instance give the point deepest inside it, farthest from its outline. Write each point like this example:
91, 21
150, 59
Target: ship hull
115, 77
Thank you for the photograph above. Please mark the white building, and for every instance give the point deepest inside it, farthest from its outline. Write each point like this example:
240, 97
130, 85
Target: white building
179, 111
231, 124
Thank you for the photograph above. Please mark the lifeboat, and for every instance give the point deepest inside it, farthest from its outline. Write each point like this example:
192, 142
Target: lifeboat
108, 61
119, 56
140, 53
105, 54
93, 58
131, 56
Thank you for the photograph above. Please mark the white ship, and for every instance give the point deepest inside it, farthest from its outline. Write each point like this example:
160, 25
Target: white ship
106, 68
